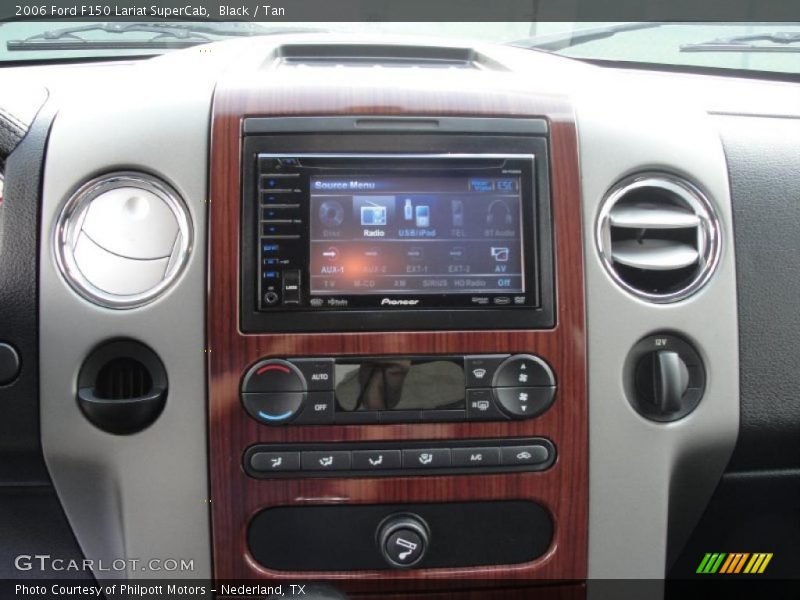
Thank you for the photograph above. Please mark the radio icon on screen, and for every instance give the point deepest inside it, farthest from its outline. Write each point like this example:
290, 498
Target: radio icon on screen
373, 215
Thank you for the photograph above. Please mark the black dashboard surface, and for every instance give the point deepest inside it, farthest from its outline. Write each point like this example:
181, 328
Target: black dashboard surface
763, 161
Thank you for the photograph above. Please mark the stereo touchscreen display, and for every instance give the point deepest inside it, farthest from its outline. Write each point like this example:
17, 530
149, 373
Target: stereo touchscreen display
414, 234
365, 240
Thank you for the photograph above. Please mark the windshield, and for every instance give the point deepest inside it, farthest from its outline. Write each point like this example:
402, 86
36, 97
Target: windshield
764, 47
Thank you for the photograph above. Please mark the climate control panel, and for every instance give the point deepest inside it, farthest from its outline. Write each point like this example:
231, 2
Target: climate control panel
398, 389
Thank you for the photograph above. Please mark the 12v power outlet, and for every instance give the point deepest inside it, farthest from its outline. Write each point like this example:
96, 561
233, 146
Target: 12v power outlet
664, 377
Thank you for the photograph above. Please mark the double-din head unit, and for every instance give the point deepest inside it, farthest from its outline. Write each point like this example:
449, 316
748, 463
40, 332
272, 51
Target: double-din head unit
338, 241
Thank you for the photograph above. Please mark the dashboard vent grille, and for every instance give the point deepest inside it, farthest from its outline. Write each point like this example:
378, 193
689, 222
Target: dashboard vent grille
123, 379
658, 237
380, 56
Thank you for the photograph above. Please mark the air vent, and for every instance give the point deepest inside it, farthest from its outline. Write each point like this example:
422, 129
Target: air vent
122, 387
381, 55
123, 239
658, 237
123, 379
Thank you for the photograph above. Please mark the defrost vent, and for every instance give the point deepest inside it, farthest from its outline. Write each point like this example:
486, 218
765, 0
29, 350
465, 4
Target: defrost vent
658, 237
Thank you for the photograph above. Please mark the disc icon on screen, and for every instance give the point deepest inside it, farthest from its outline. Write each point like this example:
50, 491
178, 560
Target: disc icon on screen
331, 213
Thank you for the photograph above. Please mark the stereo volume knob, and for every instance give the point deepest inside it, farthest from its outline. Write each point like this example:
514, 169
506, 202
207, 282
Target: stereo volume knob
273, 391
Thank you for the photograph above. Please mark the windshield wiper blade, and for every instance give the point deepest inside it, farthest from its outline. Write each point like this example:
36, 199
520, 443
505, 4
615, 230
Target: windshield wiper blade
560, 41
167, 35
781, 42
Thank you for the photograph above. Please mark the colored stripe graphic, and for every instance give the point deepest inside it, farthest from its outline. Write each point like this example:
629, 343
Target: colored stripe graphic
755, 562
764, 564
714, 562
701, 568
728, 563
734, 562
740, 563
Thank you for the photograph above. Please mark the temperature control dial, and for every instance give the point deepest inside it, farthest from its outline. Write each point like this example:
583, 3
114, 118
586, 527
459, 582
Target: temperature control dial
273, 391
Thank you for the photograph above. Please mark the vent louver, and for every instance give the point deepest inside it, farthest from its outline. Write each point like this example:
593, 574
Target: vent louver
658, 237
123, 379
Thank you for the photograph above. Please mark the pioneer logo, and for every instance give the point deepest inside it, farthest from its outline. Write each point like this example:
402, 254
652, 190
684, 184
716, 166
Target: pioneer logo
390, 302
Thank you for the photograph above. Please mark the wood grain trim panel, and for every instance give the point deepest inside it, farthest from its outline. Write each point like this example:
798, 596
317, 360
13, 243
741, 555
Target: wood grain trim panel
563, 489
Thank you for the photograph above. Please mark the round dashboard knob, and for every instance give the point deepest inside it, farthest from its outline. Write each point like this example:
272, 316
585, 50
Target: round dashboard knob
273, 391
273, 375
664, 377
524, 386
403, 540
524, 370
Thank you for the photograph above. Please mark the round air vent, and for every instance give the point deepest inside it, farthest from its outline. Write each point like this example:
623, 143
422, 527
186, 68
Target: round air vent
658, 236
122, 239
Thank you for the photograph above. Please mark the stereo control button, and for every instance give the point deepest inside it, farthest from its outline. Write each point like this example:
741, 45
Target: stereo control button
476, 457
317, 371
274, 375
525, 402
523, 370
281, 230
480, 369
291, 286
524, 455
273, 408
482, 407
318, 409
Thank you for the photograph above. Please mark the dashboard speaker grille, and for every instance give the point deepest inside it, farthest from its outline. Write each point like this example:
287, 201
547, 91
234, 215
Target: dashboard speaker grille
658, 237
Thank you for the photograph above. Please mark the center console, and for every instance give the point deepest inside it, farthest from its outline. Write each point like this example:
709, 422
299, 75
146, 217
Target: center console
397, 340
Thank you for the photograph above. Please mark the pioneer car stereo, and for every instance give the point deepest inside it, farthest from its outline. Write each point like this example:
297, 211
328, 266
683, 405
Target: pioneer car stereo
372, 235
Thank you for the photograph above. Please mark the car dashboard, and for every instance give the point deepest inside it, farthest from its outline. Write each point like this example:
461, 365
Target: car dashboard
396, 314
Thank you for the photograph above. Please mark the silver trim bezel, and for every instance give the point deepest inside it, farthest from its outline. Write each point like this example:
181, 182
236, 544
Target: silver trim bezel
69, 225
709, 247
